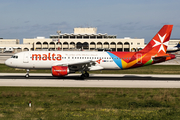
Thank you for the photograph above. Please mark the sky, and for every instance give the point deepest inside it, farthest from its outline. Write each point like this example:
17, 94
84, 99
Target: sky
123, 18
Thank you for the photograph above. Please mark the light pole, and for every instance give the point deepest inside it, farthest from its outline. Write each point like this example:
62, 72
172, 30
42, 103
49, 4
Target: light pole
58, 32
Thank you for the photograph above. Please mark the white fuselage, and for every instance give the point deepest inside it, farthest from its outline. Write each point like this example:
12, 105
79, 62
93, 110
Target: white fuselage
46, 59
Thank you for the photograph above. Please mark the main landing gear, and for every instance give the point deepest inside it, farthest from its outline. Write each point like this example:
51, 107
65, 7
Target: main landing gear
27, 74
84, 75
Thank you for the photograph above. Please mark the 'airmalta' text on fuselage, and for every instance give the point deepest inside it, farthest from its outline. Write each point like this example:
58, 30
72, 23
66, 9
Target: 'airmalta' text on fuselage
45, 57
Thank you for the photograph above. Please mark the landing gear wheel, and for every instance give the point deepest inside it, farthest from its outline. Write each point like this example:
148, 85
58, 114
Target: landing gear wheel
86, 74
82, 76
27, 74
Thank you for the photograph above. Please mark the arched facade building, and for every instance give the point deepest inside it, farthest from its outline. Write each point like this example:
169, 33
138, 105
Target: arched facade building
82, 44
85, 39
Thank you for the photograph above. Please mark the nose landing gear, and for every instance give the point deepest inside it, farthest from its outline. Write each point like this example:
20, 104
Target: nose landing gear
27, 74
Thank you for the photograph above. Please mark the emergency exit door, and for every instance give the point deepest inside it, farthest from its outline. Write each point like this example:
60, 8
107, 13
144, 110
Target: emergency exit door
139, 59
26, 58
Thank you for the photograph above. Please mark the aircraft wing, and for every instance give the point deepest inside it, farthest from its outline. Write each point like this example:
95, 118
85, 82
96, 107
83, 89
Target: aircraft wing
72, 63
81, 62
80, 65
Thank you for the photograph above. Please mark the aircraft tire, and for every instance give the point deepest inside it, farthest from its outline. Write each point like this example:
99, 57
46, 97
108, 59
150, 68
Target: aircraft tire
86, 74
27, 75
83, 76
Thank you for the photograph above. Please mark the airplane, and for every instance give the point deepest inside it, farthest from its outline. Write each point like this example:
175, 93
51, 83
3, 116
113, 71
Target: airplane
173, 49
63, 63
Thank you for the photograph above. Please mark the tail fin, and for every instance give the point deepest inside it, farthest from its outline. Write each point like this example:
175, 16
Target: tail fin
160, 41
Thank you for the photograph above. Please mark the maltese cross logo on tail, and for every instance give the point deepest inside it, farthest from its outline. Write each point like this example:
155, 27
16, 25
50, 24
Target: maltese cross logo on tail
163, 45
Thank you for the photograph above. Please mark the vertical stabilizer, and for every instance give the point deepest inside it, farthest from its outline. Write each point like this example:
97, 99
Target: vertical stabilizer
159, 43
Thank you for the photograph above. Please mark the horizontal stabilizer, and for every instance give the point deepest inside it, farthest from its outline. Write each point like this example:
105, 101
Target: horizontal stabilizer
161, 56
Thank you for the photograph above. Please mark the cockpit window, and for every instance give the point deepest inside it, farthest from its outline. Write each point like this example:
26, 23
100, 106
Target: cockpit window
15, 56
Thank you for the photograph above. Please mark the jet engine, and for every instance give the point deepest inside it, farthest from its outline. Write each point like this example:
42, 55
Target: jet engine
59, 71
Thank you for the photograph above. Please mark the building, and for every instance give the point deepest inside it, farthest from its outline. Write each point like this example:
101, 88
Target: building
85, 39
81, 39
9, 41
7, 44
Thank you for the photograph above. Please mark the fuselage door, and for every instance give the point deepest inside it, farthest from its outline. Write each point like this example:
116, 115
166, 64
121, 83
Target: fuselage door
26, 58
139, 59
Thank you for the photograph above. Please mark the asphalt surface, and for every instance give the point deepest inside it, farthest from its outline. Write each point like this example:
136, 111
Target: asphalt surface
95, 80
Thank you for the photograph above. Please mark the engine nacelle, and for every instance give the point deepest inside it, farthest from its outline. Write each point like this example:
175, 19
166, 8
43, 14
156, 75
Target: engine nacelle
59, 70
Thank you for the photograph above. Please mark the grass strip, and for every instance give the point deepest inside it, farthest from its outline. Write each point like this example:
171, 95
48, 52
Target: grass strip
89, 103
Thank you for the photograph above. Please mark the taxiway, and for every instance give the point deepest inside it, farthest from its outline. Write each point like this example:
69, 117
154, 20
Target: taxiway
95, 80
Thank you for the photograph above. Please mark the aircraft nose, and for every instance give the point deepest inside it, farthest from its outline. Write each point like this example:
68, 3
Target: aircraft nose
7, 62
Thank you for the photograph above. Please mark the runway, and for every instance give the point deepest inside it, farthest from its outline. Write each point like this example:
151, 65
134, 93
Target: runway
95, 80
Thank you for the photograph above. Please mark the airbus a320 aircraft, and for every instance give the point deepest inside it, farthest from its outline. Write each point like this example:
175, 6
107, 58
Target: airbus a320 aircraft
63, 63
